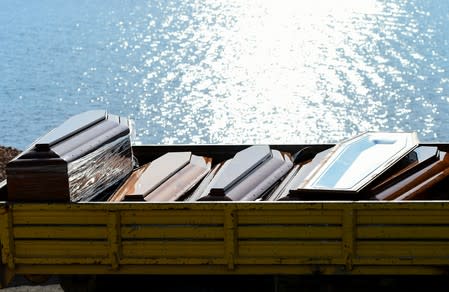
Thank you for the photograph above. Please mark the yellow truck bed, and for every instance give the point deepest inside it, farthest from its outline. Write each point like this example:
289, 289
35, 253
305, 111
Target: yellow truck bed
288, 238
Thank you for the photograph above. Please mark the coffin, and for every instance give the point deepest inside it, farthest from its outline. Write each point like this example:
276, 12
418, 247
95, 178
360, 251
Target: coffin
423, 174
77, 161
167, 178
248, 176
351, 169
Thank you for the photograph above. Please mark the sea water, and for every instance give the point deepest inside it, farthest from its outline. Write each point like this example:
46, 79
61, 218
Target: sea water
225, 71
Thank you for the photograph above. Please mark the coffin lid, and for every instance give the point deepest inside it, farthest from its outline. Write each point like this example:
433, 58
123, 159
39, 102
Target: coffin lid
70, 127
357, 161
243, 163
78, 135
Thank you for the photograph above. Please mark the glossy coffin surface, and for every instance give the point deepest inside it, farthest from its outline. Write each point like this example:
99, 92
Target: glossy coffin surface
416, 184
78, 160
167, 178
151, 175
345, 169
243, 163
248, 175
412, 163
297, 175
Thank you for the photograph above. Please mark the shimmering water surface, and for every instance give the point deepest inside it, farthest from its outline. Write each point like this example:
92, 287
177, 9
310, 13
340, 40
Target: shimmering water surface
227, 71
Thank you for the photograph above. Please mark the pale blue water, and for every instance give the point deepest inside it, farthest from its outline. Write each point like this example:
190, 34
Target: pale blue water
227, 71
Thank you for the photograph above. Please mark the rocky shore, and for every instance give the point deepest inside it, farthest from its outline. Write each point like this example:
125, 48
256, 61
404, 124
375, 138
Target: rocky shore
6, 154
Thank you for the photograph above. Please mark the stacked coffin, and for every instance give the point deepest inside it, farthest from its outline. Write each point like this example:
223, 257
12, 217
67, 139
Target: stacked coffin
182, 176
77, 161
379, 166
89, 157
420, 171
373, 165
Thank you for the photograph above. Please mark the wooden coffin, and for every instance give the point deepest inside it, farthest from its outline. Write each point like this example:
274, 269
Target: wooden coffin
167, 178
415, 184
296, 176
76, 161
248, 176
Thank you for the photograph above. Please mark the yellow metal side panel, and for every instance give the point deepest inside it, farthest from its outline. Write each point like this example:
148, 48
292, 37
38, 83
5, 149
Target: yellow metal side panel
136, 231
60, 248
228, 238
409, 216
408, 232
50, 216
114, 238
278, 215
7, 239
289, 249
191, 216
412, 233
172, 249
60, 232
289, 232
4, 234
403, 249
83, 261
6, 274
348, 238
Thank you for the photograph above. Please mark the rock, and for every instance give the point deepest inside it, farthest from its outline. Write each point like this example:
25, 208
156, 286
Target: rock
6, 154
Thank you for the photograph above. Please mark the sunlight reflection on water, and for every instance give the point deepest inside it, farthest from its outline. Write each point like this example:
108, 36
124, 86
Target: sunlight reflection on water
253, 71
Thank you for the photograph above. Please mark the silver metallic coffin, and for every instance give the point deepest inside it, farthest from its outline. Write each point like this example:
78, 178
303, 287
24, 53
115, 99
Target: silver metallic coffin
76, 161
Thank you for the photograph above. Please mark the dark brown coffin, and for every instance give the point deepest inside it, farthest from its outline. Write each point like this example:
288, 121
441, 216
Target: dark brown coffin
415, 185
76, 161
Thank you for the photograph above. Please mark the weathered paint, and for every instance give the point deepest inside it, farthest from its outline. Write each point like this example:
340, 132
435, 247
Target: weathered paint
226, 238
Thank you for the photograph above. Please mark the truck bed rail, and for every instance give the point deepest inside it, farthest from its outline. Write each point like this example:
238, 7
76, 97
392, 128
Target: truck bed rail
225, 238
